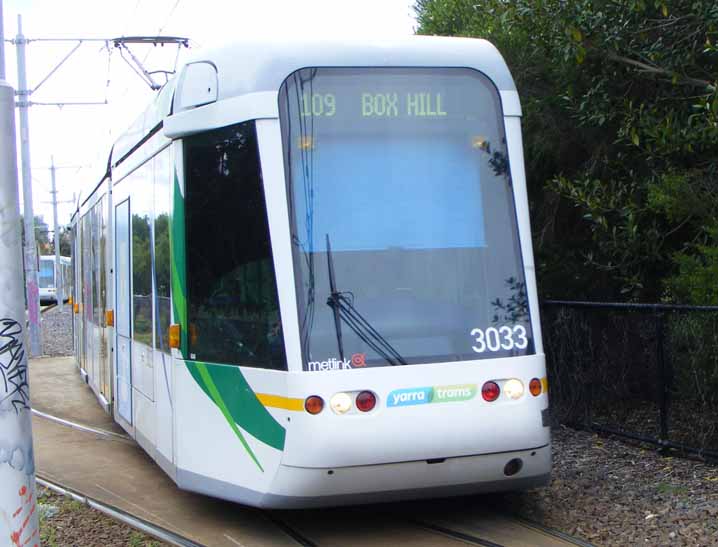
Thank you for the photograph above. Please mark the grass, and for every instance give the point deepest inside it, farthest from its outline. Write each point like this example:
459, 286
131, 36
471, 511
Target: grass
137, 539
671, 489
48, 534
71, 514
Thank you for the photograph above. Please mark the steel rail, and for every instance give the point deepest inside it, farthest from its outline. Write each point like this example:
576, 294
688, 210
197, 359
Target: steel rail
455, 534
118, 514
81, 427
528, 523
290, 530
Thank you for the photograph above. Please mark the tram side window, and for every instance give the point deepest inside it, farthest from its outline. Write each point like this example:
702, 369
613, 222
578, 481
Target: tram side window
162, 248
233, 307
141, 257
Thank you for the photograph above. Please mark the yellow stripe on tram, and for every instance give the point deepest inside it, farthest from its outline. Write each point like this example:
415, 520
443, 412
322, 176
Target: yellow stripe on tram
277, 401
544, 384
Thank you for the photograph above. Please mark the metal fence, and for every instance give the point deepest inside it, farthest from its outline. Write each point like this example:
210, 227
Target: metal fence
643, 371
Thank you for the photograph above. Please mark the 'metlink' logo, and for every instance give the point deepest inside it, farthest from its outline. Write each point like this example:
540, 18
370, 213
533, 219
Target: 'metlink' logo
358, 360
330, 364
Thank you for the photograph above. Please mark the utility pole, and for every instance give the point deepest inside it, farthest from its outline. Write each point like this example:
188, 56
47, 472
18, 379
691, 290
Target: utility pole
58, 269
31, 287
18, 500
24, 103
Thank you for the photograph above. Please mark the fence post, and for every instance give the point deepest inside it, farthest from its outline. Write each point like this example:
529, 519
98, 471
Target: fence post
663, 380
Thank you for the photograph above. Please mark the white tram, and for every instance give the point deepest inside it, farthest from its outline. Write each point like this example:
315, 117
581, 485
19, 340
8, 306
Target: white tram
51, 277
306, 277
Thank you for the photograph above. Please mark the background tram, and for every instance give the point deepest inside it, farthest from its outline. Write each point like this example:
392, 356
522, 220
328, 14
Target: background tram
306, 277
48, 278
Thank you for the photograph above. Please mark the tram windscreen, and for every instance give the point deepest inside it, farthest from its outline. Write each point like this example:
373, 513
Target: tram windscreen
47, 274
404, 229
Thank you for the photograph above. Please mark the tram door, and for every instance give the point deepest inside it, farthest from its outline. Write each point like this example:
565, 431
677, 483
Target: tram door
123, 316
104, 381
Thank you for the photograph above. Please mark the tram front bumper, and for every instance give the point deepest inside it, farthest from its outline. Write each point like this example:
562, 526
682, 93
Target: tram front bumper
299, 487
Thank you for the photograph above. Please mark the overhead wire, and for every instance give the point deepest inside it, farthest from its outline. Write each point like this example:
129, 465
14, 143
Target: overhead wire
131, 18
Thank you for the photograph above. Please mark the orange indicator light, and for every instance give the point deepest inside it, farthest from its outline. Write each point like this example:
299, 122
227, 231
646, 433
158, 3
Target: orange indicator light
110, 318
535, 387
314, 404
174, 336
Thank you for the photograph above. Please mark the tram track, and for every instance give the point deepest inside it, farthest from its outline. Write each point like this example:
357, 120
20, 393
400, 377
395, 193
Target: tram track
82, 427
120, 515
436, 525
468, 538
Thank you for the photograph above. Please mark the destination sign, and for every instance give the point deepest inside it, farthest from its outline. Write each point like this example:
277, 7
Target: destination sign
374, 105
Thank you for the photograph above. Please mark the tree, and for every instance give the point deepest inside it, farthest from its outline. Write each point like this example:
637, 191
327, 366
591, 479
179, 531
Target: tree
621, 135
65, 242
41, 234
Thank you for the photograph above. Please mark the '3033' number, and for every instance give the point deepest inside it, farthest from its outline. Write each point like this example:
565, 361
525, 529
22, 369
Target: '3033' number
496, 338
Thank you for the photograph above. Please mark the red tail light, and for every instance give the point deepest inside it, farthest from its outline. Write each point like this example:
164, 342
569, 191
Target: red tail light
365, 401
490, 391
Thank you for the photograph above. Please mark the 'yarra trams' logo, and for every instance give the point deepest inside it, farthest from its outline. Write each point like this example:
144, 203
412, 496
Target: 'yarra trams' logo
431, 394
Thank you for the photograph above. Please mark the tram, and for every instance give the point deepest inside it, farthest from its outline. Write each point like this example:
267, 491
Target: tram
49, 278
306, 276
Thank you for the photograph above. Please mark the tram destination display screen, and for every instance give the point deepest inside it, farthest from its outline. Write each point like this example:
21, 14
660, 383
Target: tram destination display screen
374, 105
402, 217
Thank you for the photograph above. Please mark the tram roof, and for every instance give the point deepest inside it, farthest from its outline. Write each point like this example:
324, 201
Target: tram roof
247, 67
256, 66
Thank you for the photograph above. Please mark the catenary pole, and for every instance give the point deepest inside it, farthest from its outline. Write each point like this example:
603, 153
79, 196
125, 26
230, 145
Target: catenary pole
58, 267
31, 288
18, 514
2, 44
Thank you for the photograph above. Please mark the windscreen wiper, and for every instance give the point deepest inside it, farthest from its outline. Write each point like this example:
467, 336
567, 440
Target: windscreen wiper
344, 309
333, 291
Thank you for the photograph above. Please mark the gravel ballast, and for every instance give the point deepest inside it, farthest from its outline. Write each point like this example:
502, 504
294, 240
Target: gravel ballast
611, 493
56, 331
605, 491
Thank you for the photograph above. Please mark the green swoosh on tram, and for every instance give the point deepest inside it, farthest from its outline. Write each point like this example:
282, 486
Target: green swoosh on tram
225, 385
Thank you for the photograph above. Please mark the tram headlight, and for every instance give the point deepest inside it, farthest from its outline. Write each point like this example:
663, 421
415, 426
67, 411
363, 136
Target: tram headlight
341, 403
514, 388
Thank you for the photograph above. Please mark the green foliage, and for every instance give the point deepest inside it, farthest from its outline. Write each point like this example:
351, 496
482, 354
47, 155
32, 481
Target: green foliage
41, 234
138, 539
697, 277
621, 135
48, 535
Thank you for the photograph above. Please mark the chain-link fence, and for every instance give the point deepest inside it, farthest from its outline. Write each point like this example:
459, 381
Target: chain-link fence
645, 371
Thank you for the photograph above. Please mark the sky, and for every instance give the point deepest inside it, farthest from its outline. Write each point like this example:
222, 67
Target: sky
79, 138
